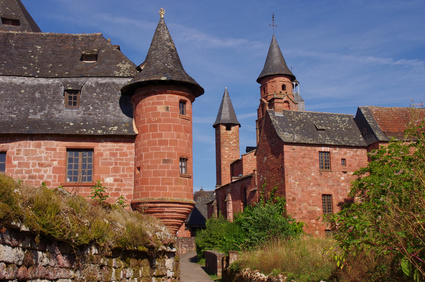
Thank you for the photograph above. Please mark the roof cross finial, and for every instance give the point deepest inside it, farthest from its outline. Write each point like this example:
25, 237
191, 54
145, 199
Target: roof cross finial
273, 24
162, 12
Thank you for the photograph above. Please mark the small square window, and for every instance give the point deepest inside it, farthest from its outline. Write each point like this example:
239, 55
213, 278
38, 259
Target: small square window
79, 166
327, 204
182, 108
343, 162
183, 165
324, 161
2, 162
72, 98
7, 21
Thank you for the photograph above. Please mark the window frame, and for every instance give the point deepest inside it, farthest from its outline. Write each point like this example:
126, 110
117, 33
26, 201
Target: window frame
71, 93
10, 21
2, 162
182, 108
324, 161
183, 165
343, 162
86, 173
327, 204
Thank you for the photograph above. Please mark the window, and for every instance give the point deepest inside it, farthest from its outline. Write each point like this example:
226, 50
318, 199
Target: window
182, 108
88, 58
7, 21
183, 165
343, 162
324, 161
283, 87
72, 98
2, 162
327, 204
79, 166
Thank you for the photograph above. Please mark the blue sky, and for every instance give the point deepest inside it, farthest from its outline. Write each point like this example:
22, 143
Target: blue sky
345, 53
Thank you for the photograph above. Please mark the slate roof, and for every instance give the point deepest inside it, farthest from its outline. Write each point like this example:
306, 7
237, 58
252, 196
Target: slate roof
199, 213
317, 128
275, 63
380, 124
59, 55
15, 10
36, 68
226, 113
162, 64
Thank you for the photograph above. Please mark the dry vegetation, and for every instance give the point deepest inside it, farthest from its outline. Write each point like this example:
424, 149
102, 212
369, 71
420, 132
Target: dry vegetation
57, 214
301, 259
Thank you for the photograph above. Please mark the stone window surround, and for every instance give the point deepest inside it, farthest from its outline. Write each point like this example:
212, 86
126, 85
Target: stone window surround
90, 161
324, 161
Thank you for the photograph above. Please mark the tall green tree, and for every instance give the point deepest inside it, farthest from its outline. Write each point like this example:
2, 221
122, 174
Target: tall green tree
385, 214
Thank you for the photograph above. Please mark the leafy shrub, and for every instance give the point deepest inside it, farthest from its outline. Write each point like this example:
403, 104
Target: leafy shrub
256, 224
386, 217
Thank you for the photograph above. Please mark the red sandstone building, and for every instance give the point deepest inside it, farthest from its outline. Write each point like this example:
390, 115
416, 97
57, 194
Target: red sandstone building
76, 110
309, 157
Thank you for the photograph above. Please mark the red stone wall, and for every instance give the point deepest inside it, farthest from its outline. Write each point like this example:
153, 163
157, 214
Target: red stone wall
36, 159
306, 183
270, 162
227, 151
164, 136
249, 162
242, 192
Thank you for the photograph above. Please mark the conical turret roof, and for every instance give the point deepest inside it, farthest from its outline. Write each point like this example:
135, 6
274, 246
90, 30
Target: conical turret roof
15, 17
275, 63
226, 113
162, 64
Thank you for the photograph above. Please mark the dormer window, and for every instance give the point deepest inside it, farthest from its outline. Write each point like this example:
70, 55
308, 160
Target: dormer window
72, 98
7, 21
88, 57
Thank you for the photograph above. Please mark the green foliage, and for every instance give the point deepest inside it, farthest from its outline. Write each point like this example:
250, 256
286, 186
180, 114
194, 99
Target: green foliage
121, 201
386, 213
98, 192
57, 214
256, 224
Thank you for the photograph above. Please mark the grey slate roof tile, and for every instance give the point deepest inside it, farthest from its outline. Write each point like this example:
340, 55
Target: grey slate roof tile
14, 9
162, 64
59, 55
316, 128
226, 113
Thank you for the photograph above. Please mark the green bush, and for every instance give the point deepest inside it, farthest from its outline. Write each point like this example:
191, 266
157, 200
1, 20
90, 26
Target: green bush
256, 224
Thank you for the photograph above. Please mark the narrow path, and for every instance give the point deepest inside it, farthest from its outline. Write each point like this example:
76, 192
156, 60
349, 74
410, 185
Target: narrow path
190, 271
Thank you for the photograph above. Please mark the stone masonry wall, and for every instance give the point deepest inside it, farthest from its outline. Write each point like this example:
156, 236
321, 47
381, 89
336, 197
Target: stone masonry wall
25, 257
306, 183
36, 159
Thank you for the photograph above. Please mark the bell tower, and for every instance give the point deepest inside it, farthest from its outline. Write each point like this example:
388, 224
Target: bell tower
226, 139
162, 96
277, 84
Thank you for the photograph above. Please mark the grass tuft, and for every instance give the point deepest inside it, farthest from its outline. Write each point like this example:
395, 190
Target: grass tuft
65, 217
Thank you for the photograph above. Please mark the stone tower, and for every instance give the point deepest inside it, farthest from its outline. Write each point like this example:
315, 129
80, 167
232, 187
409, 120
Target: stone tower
277, 85
162, 97
226, 139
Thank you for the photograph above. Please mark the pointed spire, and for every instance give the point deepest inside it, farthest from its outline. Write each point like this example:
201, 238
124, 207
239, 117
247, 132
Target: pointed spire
275, 63
226, 113
15, 17
162, 64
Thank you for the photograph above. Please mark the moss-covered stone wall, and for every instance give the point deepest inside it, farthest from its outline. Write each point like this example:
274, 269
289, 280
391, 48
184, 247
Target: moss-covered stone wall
25, 256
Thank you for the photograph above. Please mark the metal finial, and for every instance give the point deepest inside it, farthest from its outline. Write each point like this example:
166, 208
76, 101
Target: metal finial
273, 24
162, 12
